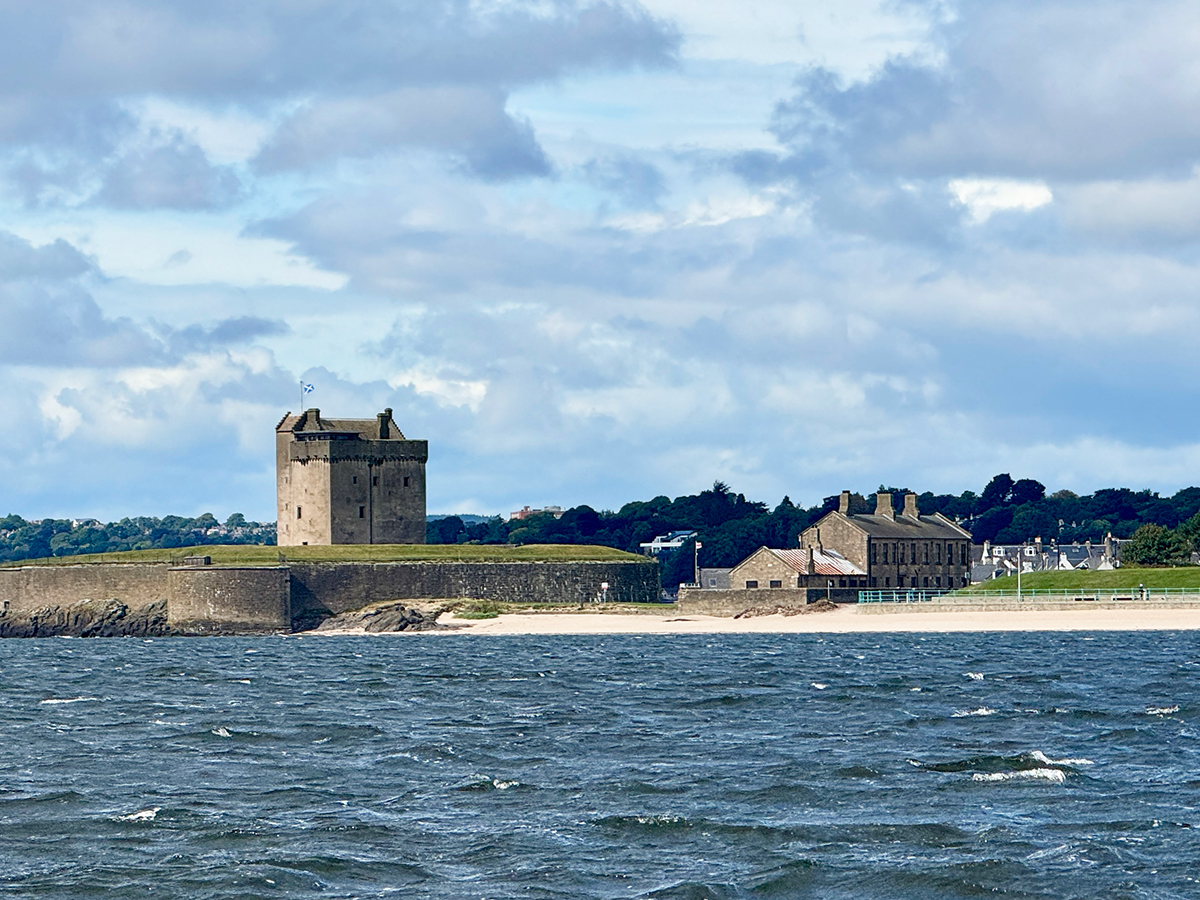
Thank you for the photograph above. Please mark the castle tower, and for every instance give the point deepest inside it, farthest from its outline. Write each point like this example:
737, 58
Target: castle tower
348, 481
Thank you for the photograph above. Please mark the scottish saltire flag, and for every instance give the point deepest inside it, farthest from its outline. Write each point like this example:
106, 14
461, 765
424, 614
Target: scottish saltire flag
306, 388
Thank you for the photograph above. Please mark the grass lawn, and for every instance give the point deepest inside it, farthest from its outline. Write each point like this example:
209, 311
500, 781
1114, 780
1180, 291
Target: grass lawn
254, 555
1116, 579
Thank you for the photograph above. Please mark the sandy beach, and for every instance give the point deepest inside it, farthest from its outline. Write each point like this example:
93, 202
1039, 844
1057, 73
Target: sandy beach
844, 620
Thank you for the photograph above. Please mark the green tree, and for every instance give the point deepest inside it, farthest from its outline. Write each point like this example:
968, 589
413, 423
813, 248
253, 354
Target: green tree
1156, 545
1190, 530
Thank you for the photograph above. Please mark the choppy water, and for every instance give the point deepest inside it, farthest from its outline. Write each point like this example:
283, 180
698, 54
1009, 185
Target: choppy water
739, 766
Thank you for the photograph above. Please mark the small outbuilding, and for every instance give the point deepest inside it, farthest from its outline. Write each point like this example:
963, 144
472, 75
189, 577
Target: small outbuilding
822, 573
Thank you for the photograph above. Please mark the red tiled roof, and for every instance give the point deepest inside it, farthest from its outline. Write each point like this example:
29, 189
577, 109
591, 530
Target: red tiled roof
827, 562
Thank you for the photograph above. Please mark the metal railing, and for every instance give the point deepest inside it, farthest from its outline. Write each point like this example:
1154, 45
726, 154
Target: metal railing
1062, 594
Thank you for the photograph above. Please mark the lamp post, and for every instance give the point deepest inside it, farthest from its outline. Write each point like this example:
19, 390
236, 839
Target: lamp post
1020, 565
696, 562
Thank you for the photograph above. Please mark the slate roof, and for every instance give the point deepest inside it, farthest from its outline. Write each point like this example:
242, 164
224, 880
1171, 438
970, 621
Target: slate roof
935, 527
366, 429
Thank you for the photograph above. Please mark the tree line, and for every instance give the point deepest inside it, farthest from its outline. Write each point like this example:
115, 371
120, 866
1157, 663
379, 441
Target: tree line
730, 527
22, 539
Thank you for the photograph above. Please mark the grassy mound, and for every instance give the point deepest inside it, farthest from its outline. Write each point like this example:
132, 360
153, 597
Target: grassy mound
1116, 579
254, 555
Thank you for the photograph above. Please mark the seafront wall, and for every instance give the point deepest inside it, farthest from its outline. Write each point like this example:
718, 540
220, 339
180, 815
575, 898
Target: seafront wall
249, 599
227, 598
28, 589
337, 587
731, 601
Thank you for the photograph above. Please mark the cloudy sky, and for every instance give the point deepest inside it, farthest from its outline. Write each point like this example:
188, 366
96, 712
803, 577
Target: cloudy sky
597, 250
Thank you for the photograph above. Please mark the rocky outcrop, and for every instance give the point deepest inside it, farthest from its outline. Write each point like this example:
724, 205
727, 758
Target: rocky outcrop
807, 609
88, 618
384, 617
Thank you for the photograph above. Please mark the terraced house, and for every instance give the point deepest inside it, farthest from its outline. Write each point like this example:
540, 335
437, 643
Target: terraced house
895, 549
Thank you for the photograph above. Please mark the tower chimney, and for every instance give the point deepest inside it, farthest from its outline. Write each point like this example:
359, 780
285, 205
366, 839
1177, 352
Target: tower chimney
910, 506
883, 505
844, 503
384, 417
810, 566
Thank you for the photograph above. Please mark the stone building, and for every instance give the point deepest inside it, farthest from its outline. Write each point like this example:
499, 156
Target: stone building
896, 550
820, 572
348, 481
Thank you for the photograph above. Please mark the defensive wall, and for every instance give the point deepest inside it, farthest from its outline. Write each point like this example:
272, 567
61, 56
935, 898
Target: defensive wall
731, 601
209, 599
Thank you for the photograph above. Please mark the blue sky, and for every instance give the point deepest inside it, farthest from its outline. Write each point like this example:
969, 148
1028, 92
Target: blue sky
598, 251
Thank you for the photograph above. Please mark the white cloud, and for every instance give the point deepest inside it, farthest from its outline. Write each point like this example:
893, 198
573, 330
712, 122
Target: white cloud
984, 196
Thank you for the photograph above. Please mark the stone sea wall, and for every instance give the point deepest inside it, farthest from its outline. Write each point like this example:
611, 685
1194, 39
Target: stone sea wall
46, 599
337, 587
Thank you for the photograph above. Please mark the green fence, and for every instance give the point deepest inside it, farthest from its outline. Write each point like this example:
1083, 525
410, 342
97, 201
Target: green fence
1111, 594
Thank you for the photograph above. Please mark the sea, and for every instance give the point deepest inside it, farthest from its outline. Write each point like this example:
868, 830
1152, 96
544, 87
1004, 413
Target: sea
1024, 765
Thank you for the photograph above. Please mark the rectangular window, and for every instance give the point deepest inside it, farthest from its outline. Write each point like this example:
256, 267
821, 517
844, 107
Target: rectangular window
914, 554
938, 580
751, 584
375, 480
900, 554
873, 554
887, 582
406, 481
885, 546
297, 512
777, 584
362, 512
926, 545
926, 581
938, 548
841, 582
872, 581
354, 480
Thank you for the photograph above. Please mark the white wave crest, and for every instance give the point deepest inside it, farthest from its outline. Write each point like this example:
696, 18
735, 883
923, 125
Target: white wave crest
142, 815
56, 700
221, 731
1070, 761
819, 686
504, 785
982, 711
1150, 710
1054, 776
974, 676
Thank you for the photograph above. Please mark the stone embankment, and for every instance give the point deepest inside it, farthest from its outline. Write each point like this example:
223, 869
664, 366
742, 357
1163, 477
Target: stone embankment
157, 598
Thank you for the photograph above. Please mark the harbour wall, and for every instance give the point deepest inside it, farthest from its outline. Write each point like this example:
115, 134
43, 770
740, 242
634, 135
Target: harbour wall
250, 599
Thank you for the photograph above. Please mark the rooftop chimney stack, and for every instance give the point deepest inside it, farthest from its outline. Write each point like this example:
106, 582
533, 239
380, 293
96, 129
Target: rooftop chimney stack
883, 505
910, 506
383, 424
844, 503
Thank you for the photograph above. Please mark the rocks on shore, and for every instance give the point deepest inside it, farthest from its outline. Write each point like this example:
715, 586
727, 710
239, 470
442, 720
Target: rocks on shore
818, 607
88, 618
384, 617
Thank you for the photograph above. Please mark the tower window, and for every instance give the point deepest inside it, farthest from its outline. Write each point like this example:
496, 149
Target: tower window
406, 481
375, 480
354, 480
362, 512
297, 512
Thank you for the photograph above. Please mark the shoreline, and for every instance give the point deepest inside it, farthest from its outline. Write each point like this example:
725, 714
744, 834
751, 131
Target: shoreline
844, 620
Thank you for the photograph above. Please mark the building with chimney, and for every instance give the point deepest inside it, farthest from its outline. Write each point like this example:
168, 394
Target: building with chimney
823, 574
895, 549
348, 481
